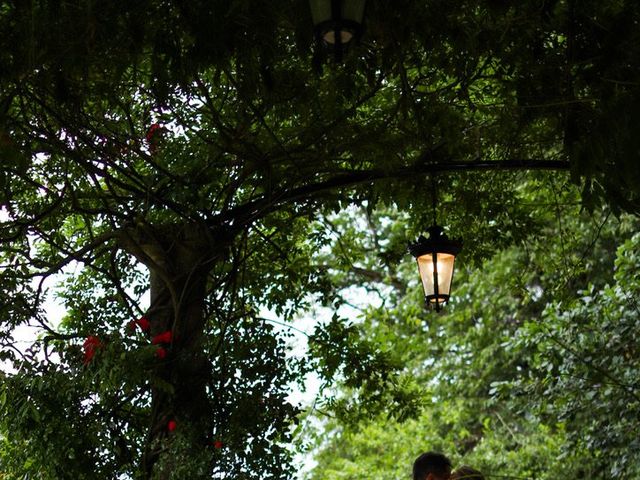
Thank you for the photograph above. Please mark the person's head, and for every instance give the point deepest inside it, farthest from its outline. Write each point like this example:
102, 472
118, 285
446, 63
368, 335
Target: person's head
431, 466
466, 473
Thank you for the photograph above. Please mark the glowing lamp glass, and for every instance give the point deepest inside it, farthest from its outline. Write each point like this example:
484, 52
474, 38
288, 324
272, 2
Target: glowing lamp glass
442, 269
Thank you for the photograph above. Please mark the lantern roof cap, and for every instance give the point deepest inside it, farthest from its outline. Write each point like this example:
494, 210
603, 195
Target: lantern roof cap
438, 242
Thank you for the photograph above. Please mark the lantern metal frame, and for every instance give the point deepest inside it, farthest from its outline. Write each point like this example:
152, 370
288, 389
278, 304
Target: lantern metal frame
438, 242
337, 24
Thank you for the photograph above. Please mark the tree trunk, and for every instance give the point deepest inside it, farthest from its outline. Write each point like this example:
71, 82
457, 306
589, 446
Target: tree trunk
179, 260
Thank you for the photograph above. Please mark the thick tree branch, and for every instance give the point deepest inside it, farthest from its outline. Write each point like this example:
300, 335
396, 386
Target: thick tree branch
245, 214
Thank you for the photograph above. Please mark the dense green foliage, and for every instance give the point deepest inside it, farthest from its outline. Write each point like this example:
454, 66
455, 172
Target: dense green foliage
584, 367
530, 373
187, 165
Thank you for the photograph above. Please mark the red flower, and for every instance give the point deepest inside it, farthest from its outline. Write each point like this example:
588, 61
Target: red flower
144, 324
154, 129
153, 137
171, 425
90, 346
161, 353
164, 337
141, 322
218, 444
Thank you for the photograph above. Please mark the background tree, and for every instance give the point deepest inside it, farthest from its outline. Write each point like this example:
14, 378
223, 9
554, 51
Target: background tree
185, 149
529, 372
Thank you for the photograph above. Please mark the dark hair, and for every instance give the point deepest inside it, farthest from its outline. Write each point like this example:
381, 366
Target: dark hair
431, 462
467, 473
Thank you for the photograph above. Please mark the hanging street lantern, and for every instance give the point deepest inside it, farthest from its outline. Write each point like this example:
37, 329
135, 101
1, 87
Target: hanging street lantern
337, 23
436, 256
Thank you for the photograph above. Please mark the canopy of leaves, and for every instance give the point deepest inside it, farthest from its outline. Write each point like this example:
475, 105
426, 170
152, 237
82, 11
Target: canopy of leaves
200, 151
530, 373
